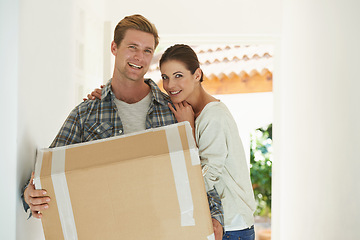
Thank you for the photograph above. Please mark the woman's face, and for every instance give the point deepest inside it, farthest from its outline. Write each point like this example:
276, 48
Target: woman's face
178, 81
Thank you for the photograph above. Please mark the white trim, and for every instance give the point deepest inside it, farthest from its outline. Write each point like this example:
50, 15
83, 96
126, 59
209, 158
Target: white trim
219, 39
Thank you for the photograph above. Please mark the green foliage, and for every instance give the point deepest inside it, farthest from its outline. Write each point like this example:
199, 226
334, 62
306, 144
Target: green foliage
260, 168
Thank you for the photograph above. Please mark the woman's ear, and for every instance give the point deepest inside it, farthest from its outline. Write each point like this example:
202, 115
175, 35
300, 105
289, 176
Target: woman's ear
198, 74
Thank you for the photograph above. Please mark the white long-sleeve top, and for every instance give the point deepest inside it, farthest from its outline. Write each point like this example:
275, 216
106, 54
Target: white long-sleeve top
223, 159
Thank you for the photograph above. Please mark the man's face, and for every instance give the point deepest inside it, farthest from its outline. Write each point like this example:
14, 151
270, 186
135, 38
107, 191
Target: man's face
133, 56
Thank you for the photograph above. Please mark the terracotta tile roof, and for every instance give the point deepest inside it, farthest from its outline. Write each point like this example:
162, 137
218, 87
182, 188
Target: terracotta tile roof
224, 59
228, 63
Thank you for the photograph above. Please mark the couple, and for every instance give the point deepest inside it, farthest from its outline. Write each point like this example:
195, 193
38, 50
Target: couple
141, 105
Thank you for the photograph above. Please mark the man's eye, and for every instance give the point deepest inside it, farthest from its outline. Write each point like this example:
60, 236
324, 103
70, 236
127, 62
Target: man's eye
133, 47
148, 51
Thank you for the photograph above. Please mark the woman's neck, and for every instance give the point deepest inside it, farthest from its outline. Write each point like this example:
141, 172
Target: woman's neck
200, 100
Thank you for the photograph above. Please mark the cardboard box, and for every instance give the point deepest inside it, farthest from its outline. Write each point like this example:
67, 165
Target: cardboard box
147, 185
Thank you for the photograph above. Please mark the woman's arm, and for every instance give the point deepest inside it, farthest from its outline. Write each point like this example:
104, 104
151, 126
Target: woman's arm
94, 94
211, 137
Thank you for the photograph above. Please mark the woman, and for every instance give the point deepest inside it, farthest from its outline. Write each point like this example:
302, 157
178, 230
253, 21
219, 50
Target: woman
220, 148
216, 134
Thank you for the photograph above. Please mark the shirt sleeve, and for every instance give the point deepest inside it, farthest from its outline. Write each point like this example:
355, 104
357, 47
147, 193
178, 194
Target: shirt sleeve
216, 208
70, 131
25, 205
212, 142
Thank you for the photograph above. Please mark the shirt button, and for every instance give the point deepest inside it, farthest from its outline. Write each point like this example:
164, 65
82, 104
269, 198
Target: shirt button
120, 131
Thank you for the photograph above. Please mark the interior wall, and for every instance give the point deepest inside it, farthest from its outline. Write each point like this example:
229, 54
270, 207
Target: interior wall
48, 83
256, 17
9, 35
46, 89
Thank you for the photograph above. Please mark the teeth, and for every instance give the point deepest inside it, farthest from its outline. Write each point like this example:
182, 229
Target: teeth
135, 66
173, 93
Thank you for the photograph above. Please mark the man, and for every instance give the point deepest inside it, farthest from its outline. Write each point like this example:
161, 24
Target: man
129, 103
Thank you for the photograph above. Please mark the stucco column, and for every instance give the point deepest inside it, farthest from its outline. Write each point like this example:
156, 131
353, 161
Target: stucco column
316, 191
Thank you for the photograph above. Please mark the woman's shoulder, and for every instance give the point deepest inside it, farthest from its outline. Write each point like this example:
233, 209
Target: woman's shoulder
215, 108
215, 113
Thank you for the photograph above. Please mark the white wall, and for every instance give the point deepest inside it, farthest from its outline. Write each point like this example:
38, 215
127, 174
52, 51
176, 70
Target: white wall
204, 16
9, 34
250, 111
316, 131
46, 89
89, 43
38, 71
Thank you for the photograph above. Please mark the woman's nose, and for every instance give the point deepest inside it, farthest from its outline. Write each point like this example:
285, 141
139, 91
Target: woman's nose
171, 84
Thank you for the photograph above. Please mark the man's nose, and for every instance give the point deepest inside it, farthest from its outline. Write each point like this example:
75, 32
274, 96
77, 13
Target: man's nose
139, 55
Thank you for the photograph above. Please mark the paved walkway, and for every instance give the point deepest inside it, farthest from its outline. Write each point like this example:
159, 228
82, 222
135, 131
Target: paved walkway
262, 227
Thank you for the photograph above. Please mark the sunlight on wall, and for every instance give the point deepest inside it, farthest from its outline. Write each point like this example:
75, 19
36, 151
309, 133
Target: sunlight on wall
250, 111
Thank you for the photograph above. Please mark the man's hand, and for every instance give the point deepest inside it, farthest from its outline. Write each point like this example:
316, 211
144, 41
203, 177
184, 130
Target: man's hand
218, 229
94, 94
36, 199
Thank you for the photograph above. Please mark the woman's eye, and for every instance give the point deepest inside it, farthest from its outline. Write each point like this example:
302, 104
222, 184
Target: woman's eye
164, 77
178, 76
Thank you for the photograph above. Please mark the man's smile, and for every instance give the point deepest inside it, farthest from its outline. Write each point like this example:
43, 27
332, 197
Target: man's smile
134, 65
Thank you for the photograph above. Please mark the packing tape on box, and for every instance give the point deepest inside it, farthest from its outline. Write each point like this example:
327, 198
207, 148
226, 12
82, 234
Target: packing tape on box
62, 194
181, 177
38, 164
194, 154
211, 237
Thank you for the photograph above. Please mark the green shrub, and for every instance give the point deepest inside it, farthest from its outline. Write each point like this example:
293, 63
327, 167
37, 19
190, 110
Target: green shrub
260, 168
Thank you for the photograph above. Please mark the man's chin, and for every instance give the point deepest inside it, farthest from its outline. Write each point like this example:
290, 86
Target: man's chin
136, 78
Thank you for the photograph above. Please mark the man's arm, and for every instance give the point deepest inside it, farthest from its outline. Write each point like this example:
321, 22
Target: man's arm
217, 213
37, 200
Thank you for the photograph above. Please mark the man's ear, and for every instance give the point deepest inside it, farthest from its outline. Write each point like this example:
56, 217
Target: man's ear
114, 48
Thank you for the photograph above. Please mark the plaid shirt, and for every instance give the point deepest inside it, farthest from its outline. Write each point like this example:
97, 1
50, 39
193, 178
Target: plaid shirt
98, 119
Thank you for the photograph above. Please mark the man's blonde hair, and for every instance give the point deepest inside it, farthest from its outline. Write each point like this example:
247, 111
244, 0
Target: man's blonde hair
137, 22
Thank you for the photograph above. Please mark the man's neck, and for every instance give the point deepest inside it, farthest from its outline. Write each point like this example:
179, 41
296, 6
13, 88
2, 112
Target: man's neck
129, 91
